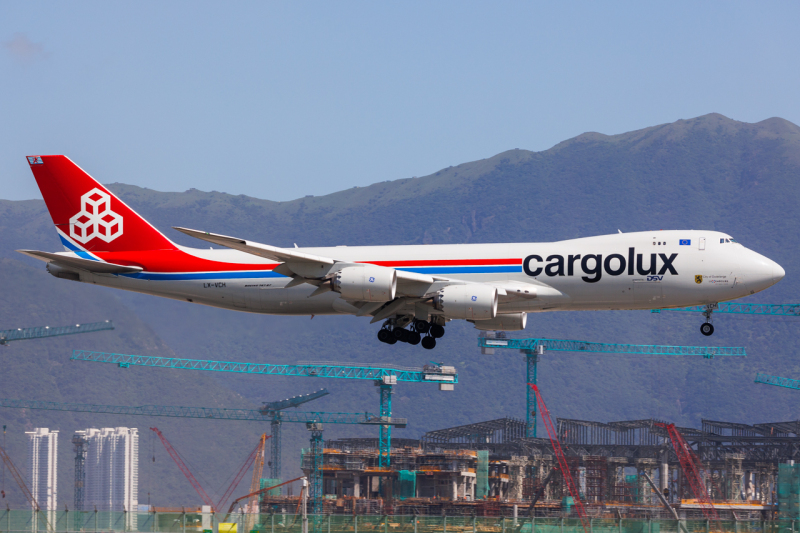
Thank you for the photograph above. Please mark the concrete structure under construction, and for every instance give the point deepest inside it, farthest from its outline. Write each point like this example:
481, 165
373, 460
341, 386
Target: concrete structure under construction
112, 470
43, 467
490, 467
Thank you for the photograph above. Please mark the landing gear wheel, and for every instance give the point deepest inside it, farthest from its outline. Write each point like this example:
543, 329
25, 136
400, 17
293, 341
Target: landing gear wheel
400, 334
437, 331
707, 329
414, 338
384, 335
422, 326
391, 340
429, 343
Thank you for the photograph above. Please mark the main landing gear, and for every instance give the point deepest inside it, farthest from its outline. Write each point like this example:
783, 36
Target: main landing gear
392, 332
707, 329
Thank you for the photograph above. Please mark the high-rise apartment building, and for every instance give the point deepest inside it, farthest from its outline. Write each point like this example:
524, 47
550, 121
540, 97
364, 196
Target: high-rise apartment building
112, 471
43, 467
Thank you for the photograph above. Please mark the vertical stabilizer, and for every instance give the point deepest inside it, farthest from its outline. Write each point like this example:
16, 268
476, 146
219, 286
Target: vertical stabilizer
87, 215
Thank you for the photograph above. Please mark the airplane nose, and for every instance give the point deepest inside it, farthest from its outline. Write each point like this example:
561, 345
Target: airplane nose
777, 273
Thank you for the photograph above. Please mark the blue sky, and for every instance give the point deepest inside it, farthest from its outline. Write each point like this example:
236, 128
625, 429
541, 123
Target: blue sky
281, 100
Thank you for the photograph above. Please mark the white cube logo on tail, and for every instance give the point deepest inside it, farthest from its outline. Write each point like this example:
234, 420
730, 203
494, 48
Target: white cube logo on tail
95, 219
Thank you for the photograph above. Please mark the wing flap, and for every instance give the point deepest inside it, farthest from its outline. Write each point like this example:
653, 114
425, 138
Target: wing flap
70, 261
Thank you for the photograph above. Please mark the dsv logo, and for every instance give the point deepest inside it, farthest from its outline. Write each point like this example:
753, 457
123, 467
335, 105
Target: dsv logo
593, 265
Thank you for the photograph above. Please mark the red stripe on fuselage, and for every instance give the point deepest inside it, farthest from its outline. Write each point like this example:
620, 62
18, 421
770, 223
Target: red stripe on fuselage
176, 261
445, 262
180, 261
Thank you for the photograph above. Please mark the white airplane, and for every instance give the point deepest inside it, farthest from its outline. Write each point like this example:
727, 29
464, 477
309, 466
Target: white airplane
414, 290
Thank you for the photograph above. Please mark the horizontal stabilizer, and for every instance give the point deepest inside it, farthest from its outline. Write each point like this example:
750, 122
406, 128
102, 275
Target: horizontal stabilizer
97, 267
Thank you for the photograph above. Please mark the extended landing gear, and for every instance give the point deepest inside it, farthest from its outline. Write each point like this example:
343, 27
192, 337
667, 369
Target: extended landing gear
392, 331
707, 329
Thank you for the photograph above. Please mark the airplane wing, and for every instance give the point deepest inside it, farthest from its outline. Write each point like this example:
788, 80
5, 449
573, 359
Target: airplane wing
281, 255
412, 288
305, 268
98, 267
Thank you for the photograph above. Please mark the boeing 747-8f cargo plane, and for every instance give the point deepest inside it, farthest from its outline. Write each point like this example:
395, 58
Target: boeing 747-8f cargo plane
413, 290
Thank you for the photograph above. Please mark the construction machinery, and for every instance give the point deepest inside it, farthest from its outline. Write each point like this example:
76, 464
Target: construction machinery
274, 409
185, 469
533, 348
787, 383
23, 487
572, 486
21, 334
692, 470
384, 377
313, 420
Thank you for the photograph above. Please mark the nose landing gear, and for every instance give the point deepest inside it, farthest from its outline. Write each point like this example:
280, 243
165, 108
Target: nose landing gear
707, 329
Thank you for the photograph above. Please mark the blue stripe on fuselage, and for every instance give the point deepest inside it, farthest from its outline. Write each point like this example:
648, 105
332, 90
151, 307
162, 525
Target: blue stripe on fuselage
464, 270
72, 248
155, 276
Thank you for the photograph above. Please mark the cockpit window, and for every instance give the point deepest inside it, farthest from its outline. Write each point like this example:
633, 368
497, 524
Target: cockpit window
734, 240
723, 241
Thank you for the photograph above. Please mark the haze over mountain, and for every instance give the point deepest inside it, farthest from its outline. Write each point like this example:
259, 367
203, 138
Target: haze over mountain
709, 172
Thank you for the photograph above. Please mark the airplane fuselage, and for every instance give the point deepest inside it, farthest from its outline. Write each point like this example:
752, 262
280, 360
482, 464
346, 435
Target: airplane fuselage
643, 270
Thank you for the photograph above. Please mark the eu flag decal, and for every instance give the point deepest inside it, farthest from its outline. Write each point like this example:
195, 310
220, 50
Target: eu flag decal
685, 242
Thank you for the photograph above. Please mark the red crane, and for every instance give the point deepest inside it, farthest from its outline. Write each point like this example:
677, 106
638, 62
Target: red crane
692, 468
240, 474
185, 469
562, 461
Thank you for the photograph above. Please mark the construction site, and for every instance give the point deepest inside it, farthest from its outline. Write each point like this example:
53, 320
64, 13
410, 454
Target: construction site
538, 473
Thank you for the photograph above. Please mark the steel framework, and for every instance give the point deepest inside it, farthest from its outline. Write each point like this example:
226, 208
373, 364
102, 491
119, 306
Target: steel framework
19, 334
743, 309
79, 444
500, 431
532, 348
208, 413
788, 383
383, 375
428, 373
273, 408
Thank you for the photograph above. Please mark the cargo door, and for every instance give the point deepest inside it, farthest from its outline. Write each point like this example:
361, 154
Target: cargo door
648, 293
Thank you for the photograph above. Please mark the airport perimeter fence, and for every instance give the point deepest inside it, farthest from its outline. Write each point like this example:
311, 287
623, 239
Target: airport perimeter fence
25, 521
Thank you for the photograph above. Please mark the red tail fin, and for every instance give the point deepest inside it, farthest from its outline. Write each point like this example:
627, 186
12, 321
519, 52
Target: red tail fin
86, 214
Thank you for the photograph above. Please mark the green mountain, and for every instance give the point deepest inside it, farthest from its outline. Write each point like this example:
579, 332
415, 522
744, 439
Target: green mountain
710, 172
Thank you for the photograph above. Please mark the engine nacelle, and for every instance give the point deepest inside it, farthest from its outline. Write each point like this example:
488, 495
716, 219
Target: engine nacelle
63, 273
510, 322
472, 301
366, 284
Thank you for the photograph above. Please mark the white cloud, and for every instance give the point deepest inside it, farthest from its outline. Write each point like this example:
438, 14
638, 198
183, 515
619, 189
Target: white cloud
24, 50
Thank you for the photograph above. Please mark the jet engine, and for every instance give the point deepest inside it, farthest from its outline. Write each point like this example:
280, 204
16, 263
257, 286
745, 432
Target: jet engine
472, 301
509, 322
366, 284
62, 273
